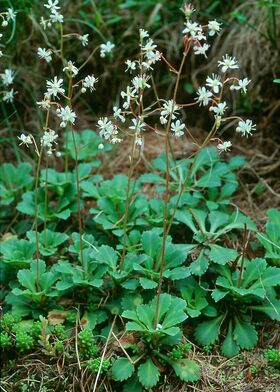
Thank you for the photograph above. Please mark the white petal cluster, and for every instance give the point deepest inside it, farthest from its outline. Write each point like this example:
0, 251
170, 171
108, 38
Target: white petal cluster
54, 17
84, 39
54, 87
8, 96
108, 130
214, 83
89, 83
67, 115
71, 68
203, 96
26, 140
228, 62
118, 114
201, 49
48, 139
214, 27
127, 95
242, 85
223, 147
177, 127
45, 54
131, 65
219, 109
169, 109
7, 77
7, 16
245, 127
106, 48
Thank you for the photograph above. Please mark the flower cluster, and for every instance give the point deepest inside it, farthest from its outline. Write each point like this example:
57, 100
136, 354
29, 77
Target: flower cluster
7, 78
7, 16
132, 96
106, 49
54, 14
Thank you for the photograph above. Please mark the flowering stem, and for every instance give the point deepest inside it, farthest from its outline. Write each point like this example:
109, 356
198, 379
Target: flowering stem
36, 218
46, 203
127, 200
80, 219
166, 197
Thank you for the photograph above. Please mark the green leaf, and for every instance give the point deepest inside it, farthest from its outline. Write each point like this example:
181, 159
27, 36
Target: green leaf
145, 315
122, 369
132, 385
245, 334
164, 305
208, 332
176, 313
200, 265
107, 255
148, 374
229, 347
187, 370
151, 243
147, 283
220, 255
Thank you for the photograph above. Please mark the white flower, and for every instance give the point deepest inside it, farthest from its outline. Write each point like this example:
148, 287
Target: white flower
56, 17
242, 85
89, 82
10, 14
140, 82
100, 146
71, 68
192, 27
228, 63
45, 54
54, 87
4, 23
219, 110
131, 65
198, 49
246, 128
163, 120
67, 115
118, 114
106, 127
7, 77
154, 57
214, 82
84, 39
148, 48
214, 27
49, 138
43, 22
223, 147
138, 125
177, 127
26, 140
52, 5
8, 96
45, 104
143, 34
203, 96
168, 109
106, 48
139, 141
128, 95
